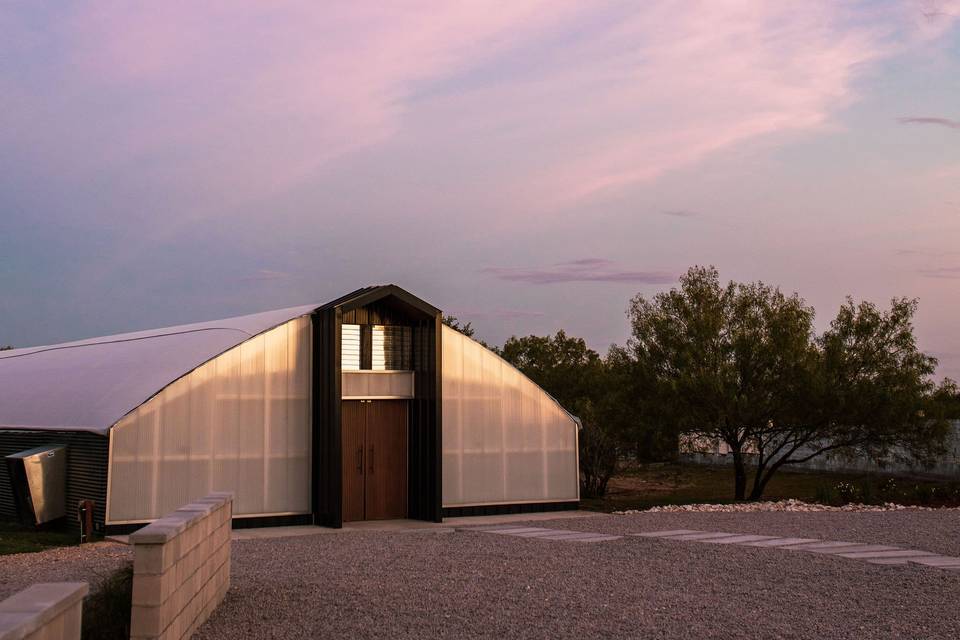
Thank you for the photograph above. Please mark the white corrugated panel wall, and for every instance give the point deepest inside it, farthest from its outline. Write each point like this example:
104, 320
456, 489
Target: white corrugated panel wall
504, 439
241, 422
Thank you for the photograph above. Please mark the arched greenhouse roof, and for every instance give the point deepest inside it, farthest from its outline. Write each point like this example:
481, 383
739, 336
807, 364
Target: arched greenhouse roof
88, 385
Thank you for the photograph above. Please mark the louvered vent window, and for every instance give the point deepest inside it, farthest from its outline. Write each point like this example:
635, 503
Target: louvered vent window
350, 347
376, 347
391, 348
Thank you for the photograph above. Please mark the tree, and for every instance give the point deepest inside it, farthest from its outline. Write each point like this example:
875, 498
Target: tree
466, 328
870, 390
945, 401
5, 347
576, 376
741, 363
721, 358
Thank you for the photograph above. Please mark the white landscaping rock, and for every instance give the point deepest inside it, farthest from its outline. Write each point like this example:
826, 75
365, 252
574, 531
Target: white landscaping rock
781, 505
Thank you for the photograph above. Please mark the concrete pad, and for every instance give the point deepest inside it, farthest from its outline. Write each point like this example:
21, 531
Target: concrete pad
883, 555
738, 539
860, 548
532, 534
572, 535
542, 516
943, 562
703, 536
597, 538
519, 531
825, 544
780, 542
665, 534
447, 526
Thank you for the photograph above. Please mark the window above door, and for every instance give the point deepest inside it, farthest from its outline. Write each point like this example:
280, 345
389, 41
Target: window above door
376, 347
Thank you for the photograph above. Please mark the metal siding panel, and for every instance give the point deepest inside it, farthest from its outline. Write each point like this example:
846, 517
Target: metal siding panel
86, 470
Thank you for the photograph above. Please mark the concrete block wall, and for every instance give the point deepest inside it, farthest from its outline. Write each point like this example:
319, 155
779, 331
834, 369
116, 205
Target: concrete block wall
181, 568
49, 611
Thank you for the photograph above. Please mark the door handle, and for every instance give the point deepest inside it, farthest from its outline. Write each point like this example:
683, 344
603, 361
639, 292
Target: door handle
360, 459
371, 459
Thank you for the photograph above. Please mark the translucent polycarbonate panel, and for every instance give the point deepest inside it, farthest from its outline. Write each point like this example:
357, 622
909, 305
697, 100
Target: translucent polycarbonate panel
504, 438
241, 423
349, 347
384, 384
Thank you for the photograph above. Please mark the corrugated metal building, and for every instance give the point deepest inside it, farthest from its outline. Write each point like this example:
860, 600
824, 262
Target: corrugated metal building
367, 407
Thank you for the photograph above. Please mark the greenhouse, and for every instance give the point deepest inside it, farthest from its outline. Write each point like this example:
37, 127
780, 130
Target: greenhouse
364, 408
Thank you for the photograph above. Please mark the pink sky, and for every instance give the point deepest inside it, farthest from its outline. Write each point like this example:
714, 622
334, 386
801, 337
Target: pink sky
187, 160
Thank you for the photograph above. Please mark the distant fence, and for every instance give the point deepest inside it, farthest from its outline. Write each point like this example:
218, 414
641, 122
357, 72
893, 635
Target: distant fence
50, 611
947, 467
181, 568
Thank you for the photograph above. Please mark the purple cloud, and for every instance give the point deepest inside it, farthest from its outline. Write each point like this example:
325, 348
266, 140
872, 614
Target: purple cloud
943, 122
681, 213
582, 270
947, 273
497, 314
586, 262
262, 275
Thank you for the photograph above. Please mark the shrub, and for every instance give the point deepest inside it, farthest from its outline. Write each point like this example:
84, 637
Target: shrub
106, 611
825, 495
847, 492
889, 490
923, 494
867, 493
599, 460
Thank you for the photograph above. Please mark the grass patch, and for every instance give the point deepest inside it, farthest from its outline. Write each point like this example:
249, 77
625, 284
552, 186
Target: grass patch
645, 486
16, 538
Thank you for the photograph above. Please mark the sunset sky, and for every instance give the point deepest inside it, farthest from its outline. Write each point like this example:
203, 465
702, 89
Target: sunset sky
527, 166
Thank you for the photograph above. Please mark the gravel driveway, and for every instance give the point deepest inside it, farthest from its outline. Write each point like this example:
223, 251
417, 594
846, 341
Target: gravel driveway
437, 583
472, 584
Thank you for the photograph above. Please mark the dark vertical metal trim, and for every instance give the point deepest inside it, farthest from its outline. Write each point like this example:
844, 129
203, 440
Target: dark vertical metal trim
327, 475
316, 416
437, 403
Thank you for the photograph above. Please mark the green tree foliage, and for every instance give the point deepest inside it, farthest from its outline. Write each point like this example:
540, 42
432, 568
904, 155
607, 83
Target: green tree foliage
741, 363
466, 328
945, 401
5, 347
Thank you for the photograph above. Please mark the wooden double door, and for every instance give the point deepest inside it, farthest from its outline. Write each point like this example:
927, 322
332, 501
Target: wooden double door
374, 459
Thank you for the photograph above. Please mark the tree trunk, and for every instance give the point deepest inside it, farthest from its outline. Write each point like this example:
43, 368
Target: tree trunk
739, 475
759, 481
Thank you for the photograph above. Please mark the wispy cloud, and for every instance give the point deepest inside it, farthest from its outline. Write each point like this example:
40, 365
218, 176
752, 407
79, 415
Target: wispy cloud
940, 122
927, 253
681, 213
582, 270
224, 103
496, 314
262, 275
947, 273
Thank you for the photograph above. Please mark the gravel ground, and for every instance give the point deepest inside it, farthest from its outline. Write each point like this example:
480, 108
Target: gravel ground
471, 584
432, 583
91, 563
